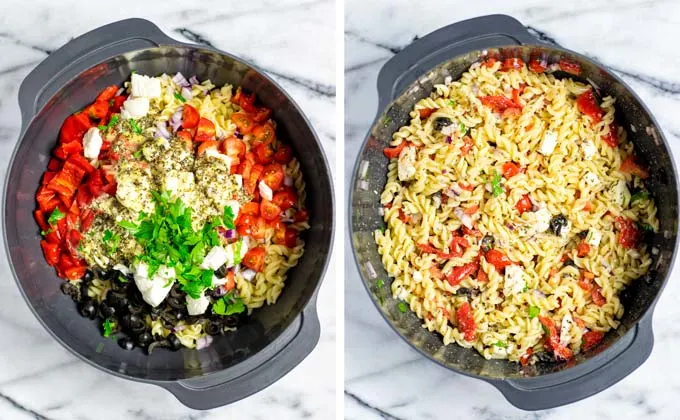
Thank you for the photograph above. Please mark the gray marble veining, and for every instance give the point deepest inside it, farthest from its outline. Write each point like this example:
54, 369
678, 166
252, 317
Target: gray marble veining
385, 378
292, 40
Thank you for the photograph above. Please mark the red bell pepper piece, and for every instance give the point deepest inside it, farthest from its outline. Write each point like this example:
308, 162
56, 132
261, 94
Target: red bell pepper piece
51, 251
466, 321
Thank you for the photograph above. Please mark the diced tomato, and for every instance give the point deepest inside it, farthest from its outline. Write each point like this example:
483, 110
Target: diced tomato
489, 62
263, 153
206, 145
498, 259
471, 210
107, 94
73, 239
250, 184
273, 176
458, 243
466, 321
301, 216
538, 65
511, 113
190, 116
511, 63
588, 206
426, 112
283, 154
74, 128
251, 226
254, 258
579, 322
406, 218
596, 294
587, 104
261, 114
67, 149
474, 231
51, 251
612, 136
560, 352
498, 103
47, 199
66, 181
205, 131
524, 204
524, 359
466, 187
585, 283
482, 276
582, 249
285, 199
251, 209
76, 272
244, 123
570, 67
117, 103
231, 281
286, 236
233, 147
591, 339
631, 166
98, 109
629, 234
54, 236
436, 272
510, 169
393, 152
427, 248
516, 97
247, 102
186, 136
467, 145
269, 210
264, 134
458, 274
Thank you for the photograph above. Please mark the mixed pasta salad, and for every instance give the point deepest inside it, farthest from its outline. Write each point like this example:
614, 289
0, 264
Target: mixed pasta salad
172, 210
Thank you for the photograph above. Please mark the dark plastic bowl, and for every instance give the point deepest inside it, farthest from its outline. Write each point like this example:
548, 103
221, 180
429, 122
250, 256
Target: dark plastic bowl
276, 338
410, 76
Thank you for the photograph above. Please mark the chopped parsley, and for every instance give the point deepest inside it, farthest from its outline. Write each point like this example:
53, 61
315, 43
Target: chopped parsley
403, 307
463, 129
387, 121
526, 287
108, 327
55, 216
179, 97
46, 232
380, 283
228, 305
134, 126
137, 154
496, 184
640, 195
111, 240
122, 279
451, 102
112, 122
501, 344
228, 218
646, 227
534, 311
237, 252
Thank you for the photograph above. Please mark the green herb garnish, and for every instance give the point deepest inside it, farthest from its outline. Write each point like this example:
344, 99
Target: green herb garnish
137, 154
646, 227
640, 195
108, 327
229, 305
403, 307
55, 216
228, 218
380, 283
134, 126
526, 287
46, 232
496, 184
113, 121
451, 102
462, 127
237, 252
179, 97
387, 121
534, 311
545, 329
500, 344
122, 279
111, 240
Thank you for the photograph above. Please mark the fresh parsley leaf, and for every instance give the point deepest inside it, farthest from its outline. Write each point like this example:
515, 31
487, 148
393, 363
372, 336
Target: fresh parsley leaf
496, 184
500, 344
380, 283
137, 154
228, 218
55, 216
462, 127
179, 97
134, 126
640, 195
108, 327
111, 240
46, 232
534, 311
122, 279
526, 287
237, 252
107, 235
228, 305
387, 121
112, 122
133, 72
451, 102
102, 127
403, 307
127, 225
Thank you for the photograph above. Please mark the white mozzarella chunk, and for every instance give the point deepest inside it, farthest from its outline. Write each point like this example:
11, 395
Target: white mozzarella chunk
218, 281
417, 276
135, 108
265, 191
406, 165
594, 237
241, 246
216, 257
548, 144
514, 280
564, 232
565, 337
217, 155
591, 179
543, 217
156, 289
589, 149
402, 293
620, 193
123, 269
239, 180
157, 294
145, 86
197, 306
92, 143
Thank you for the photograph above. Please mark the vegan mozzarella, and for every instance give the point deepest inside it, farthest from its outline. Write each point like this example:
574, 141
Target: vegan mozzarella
548, 144
216, 257
543, 217
594, 237
154, 290
591, 179
514, 280
135, 108
620, 193
92, 143
589, 149
265, 191
145, 86
197, 306
565, 337
406, 166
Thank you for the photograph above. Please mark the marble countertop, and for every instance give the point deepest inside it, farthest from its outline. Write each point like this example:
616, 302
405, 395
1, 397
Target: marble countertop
384, 377
41, 380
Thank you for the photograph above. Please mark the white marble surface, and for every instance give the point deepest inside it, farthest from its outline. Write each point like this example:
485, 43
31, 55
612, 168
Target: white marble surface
291, 40
385, 378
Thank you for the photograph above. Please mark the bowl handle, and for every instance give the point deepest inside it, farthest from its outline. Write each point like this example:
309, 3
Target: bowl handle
579, 382
215, 392
82, 53
443, 44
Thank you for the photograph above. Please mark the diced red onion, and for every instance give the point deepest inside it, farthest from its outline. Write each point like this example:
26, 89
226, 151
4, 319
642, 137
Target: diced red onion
238, 134
163, 129
363, 185
448, 139
229, 233
120, 91
539, 294
180, 80
186, 93
219, 291
178, 328
176, 119
465, 219
288, 181
204, 342
371, 271
194, 80
248, 274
